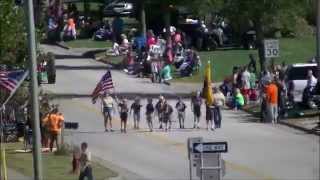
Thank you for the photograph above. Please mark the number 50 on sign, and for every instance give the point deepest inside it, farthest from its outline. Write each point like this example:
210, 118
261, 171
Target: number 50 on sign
271, 48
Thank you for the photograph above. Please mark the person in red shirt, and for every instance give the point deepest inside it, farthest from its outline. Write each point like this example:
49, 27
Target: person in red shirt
271, 91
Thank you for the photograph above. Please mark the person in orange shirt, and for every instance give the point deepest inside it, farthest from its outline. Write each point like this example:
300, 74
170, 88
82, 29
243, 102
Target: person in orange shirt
272, 102
55, 124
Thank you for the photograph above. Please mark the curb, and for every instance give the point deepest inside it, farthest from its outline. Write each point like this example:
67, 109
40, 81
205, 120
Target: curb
309, 131
62, 45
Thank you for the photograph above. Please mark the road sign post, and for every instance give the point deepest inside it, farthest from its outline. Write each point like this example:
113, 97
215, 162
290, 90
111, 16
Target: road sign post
194, 159
271, 48
206, 156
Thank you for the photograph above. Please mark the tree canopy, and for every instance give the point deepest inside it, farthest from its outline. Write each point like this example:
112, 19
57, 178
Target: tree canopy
13, 35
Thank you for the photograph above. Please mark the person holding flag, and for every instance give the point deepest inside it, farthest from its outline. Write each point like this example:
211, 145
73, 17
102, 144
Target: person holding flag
107, 106
207, 94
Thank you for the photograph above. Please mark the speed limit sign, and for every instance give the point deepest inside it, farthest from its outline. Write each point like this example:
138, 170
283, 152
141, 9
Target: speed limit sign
271, 48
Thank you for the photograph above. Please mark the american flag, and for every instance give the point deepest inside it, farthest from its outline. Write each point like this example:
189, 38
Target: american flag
9, 80
103, 85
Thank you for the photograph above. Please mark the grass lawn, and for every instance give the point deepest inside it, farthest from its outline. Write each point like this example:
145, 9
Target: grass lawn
54, 167
88, 43
291, 51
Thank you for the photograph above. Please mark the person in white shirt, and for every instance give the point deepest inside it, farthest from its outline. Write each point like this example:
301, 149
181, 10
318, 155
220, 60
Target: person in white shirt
219, 102
245, 78
312, 81
107, 107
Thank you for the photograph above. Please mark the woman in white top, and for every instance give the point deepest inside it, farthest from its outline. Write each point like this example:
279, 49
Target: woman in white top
107, 107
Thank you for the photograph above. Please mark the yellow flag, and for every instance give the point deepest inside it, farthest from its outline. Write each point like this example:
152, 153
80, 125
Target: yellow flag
207, 89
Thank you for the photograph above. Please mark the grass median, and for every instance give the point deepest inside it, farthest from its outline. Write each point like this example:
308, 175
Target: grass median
55, 167
88, 43
292, 50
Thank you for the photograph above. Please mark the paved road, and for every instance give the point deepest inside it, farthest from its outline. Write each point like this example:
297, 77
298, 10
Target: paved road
257, 151
78, 76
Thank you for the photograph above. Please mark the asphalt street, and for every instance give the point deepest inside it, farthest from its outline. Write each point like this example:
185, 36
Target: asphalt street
256, 151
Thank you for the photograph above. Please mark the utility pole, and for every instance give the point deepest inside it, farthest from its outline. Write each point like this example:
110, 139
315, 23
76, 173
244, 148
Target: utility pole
143, 18
318, 39
37, 159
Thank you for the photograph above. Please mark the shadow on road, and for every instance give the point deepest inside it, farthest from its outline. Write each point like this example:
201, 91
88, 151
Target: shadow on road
61, 67
141, 131
86, 55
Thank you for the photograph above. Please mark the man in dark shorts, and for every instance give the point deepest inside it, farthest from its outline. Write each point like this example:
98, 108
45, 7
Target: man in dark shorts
210, 116
196, 103
136, 108
149, 114
160, 109
167, 112
123, 111
181, 109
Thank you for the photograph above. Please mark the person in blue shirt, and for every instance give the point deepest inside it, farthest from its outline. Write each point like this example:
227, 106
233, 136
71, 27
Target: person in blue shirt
117, 28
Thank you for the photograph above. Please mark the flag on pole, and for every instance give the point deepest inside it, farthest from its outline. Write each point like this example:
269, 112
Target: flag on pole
207, 89
103, 86
10, 80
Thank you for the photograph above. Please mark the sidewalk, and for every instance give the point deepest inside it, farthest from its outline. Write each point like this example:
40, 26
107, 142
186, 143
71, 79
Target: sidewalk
306, 124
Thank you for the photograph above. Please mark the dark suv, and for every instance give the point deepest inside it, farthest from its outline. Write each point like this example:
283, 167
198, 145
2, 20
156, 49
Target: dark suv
195, 36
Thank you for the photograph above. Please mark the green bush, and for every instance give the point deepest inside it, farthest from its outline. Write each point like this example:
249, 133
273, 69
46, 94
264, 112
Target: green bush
51, 69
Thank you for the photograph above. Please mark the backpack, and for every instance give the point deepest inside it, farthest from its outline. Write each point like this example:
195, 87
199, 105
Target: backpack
181, 107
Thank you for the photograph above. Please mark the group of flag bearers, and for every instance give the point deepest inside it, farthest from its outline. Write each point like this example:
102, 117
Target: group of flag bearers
162, 109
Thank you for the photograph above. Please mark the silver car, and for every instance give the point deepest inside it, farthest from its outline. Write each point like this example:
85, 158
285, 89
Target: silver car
296, 79
119, 7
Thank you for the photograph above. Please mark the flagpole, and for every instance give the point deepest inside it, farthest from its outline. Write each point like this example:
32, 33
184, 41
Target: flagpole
37, 157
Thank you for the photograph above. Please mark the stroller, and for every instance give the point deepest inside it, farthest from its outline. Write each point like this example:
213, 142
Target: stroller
190, 63
102, 34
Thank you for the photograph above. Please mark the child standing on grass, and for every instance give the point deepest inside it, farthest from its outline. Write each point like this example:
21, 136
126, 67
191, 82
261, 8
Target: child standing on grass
85, 163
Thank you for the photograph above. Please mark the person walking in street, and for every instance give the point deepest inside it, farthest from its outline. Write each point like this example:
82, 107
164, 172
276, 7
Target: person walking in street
181, 109
272, 102
85, 163
149, 114
210, 116
219, 102
136, 108
160, 110
168, 110
55, 124
107, 106
123, 112
196, 103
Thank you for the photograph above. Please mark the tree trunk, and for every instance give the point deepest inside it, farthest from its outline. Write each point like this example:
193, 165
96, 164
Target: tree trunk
167, 22
143, 19
260, 46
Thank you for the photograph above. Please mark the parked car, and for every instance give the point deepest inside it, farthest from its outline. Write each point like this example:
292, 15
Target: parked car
296, 79
119, 8
195, 36
209, 39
